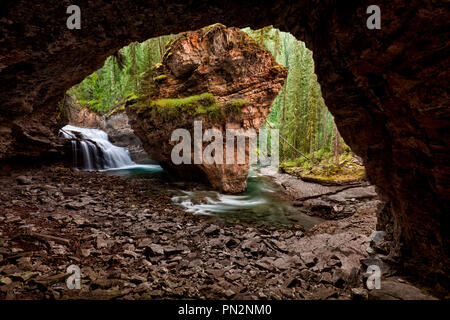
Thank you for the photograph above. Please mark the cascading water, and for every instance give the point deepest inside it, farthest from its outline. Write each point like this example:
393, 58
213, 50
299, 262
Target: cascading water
97, 152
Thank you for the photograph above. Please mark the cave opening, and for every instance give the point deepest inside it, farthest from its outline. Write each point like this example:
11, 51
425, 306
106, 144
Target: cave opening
317, 155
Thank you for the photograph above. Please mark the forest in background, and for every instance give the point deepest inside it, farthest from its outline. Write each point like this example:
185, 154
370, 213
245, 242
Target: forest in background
310, 144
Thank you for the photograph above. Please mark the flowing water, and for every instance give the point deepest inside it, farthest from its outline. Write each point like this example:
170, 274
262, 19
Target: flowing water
96, 150
261, 203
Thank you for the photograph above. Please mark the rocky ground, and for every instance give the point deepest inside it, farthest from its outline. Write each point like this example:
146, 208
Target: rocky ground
132, 242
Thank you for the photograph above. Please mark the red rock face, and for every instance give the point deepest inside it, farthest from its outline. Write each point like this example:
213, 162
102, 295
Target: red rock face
231, 66
388, 88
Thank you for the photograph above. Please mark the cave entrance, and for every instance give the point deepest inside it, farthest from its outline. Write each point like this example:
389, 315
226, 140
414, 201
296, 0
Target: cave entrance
311, 147
310, 144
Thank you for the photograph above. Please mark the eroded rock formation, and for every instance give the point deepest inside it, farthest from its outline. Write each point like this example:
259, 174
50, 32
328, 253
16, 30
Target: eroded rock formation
388, 88
218, 76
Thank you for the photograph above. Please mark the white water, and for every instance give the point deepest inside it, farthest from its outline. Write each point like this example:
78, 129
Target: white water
97, 152
261, 202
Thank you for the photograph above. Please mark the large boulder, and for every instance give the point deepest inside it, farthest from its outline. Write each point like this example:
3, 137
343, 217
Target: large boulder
216, 75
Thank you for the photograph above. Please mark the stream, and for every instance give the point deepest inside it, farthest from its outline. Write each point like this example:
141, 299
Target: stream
261, 203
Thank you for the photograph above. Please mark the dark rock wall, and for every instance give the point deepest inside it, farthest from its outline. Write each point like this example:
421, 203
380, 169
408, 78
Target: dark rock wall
388, 88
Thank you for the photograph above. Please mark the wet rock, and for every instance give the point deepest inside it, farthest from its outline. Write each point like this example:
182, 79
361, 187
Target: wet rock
47, 281
359, 294
217, 273
229, 293
23, 180
391, 289
23, 276
169, 250
75, 205
142, 243
129, 253
377, 237
339, 278
101, 243
352, 194
266, 263
324, 293
138, 279
5, 280
282, 263
154, 250
231, 242
309, 259
70, 191
212, 230
232, 276
85, 252
216, 243
250, 261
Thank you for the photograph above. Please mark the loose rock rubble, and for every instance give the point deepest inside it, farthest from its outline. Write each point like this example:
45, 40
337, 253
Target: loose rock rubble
131, 242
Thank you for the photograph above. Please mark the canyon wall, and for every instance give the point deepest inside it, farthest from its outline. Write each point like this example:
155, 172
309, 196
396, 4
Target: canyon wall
387, 89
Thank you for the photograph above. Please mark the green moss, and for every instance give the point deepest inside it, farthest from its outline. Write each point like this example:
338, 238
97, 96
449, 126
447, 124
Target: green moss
237, 104
161, 77
115, 110
169, 43
202, 105
322, 165
157, 66
173, 107
212, 26
276, 68
131, 98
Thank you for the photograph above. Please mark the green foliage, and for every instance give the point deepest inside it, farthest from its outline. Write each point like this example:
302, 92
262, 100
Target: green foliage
187, 104
120, 76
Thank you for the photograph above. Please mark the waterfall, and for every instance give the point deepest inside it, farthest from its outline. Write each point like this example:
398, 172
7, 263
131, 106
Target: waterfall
95, 149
